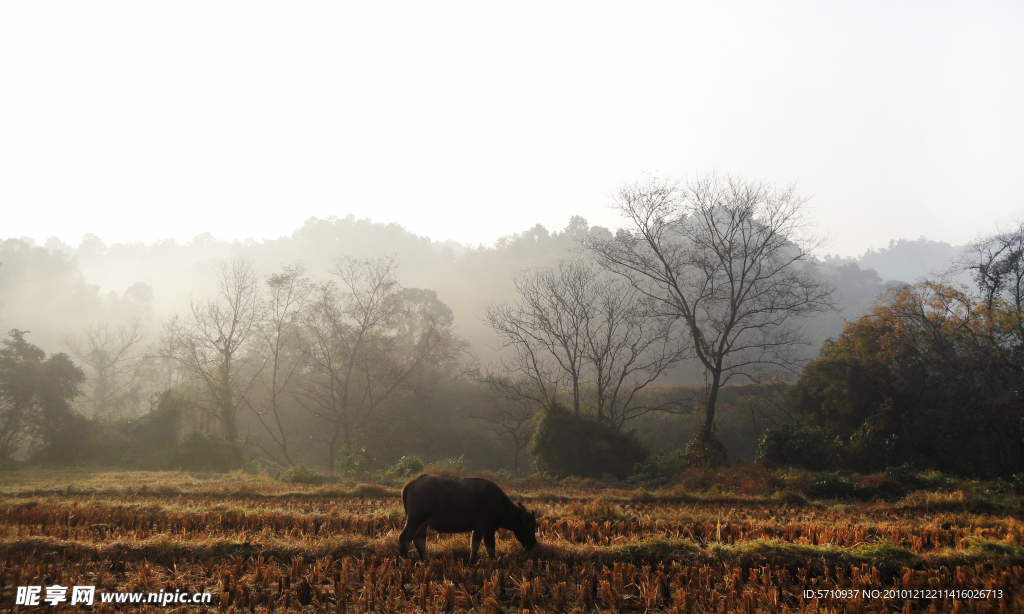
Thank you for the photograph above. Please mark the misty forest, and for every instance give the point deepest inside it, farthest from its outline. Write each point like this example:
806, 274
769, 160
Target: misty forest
512, 308
711, 329
700, 411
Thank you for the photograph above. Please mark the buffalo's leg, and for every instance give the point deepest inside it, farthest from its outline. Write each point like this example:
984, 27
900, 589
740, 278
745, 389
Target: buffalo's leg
408, 536
404, 539
489, 543
477, 536
420, 541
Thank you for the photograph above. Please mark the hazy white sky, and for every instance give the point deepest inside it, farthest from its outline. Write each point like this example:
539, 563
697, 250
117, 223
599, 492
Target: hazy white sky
140, 120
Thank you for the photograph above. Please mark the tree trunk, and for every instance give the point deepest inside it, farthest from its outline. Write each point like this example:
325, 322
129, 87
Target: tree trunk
227, 410
331, 446
576, 395
709, 407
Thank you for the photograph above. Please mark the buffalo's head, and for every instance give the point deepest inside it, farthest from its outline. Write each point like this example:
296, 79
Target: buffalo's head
526, 528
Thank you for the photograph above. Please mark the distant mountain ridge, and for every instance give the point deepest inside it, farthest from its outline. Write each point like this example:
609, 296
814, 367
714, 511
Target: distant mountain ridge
908, 260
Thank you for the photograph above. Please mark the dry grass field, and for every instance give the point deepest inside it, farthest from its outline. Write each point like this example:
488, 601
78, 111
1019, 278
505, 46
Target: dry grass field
260, 545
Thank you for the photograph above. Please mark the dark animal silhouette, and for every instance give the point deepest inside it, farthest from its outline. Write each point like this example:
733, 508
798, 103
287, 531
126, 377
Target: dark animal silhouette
459, 505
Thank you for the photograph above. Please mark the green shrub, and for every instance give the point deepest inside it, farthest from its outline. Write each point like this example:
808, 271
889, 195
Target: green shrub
355, 463
789, 497
910, 479
706, 450
300, 474
661, 468
151, 440
407, 466
832, 486
148, 441
199, 452
454, 466
1017, 483
565, 444
796, 445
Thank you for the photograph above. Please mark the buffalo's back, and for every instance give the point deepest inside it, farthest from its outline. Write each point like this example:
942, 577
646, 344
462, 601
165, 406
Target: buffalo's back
456, 505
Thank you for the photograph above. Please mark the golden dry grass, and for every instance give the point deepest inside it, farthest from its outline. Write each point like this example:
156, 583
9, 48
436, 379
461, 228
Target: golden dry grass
260, 545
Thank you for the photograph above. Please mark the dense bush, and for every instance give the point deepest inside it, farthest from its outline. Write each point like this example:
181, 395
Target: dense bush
300, 474
833, 486
199, 452
408, 466
706, 450
565, 444
452, 466
797, 445
151, 440
660, 468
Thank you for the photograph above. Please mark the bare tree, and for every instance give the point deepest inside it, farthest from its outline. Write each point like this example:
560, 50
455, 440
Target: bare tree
511, 419
725, 256
216, 337
113, 355
997, 265
582, 329
163, 356
366, 344
279, 351
629, 344
545, 331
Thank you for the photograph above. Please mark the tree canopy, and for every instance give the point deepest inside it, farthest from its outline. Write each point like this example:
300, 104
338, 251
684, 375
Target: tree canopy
931, 377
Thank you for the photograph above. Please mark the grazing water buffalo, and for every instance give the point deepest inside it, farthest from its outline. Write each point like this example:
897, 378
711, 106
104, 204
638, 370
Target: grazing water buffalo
459, 505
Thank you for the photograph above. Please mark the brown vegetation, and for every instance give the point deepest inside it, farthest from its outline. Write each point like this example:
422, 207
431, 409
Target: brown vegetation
260, 545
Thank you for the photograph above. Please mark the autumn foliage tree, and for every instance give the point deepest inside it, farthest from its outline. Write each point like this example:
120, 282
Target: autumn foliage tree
931, 377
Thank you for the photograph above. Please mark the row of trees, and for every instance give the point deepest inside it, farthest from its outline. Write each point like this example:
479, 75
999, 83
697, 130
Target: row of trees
714, 270
339, 351
714, 273
325, 362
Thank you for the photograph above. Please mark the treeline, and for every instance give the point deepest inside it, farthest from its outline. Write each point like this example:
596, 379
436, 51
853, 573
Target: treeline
276, 368
673, 343
56, 289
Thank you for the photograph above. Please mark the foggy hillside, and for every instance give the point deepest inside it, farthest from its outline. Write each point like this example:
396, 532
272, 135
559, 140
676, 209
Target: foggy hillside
908, 260
57, 289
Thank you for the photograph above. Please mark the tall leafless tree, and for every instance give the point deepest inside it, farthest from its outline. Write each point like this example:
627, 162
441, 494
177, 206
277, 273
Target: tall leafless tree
366, 344
545, 332
112, 355
628, 345
578, 328
726, 257
511, 419
997, 264
216, 337
279, 351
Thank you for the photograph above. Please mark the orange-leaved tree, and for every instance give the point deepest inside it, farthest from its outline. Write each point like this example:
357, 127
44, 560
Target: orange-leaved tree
931, 377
